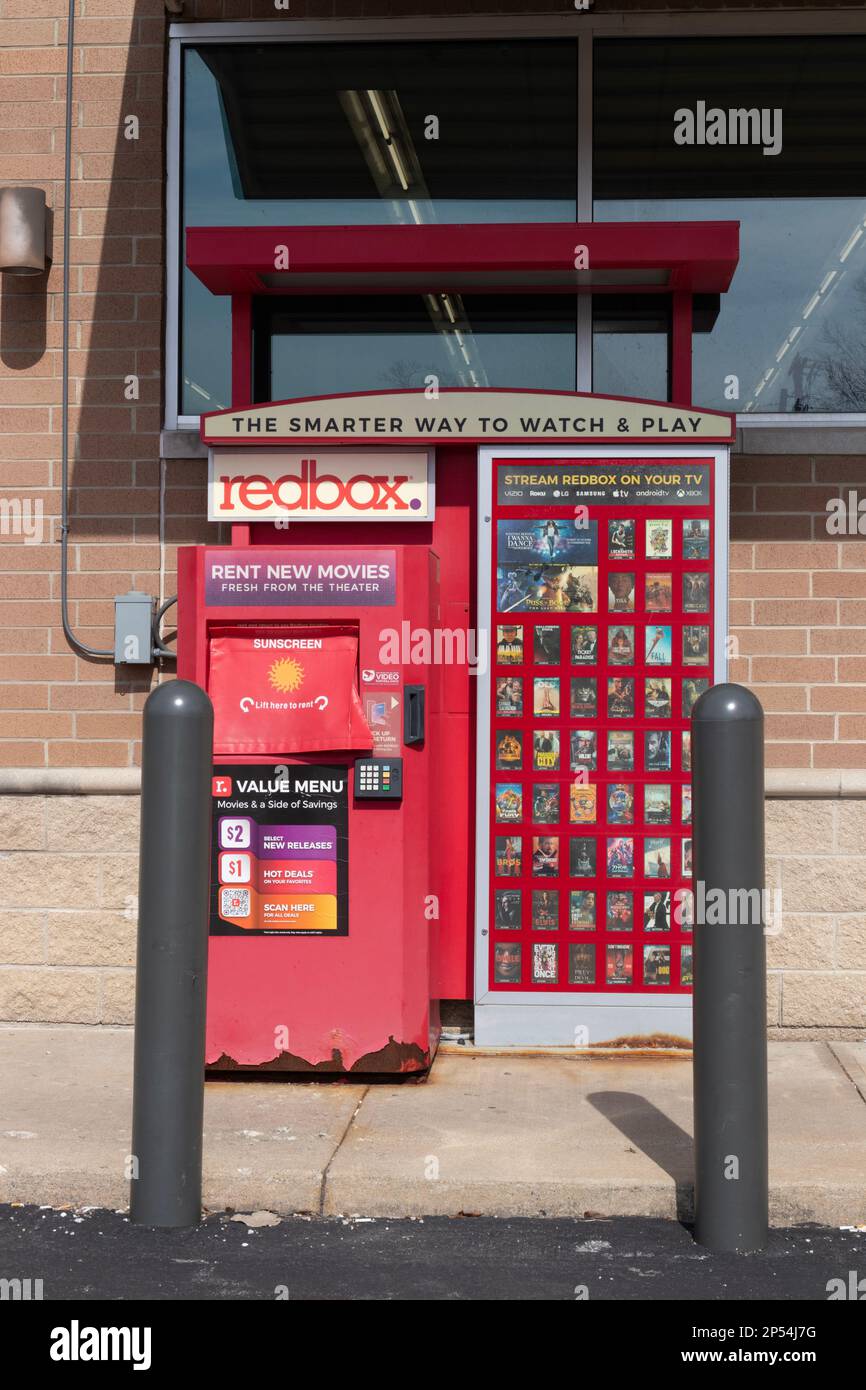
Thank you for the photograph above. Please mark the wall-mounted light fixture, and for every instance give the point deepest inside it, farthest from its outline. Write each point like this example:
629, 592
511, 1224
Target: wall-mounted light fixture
25, 243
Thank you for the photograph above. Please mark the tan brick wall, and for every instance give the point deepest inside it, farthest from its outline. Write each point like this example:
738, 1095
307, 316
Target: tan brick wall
68, 901
55, 707
816, 950
798, 607
68, 896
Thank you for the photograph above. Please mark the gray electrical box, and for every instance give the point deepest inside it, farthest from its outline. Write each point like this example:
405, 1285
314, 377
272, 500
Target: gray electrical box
133, 629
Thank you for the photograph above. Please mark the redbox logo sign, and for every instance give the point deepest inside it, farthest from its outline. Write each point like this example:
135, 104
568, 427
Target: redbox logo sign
286, 485
221, 786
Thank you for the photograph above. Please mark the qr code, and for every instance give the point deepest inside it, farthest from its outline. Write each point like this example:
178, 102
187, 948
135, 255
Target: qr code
234, 902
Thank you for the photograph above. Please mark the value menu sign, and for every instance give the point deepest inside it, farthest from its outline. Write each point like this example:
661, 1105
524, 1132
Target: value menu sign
280, 853
602, 610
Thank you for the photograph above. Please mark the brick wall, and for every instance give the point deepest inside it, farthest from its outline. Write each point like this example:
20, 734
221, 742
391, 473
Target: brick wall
798, 608
56, 708
68, 886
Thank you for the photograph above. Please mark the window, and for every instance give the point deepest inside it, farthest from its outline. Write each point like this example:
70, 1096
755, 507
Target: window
631, 345
790, 334
304, 345
486, 130
313, 134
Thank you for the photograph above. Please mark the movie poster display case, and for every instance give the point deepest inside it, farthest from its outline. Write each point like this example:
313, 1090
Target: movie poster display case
603, 588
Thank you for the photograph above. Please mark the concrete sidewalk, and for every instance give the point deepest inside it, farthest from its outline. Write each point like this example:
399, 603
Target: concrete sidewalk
500, 1135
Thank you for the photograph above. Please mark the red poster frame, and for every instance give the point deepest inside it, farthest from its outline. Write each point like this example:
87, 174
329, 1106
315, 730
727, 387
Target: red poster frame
526, 991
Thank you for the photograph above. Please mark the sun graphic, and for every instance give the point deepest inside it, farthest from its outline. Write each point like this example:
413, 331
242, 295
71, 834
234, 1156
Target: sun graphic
286, 675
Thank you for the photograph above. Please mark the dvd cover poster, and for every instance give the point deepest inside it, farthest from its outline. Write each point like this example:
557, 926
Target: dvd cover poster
620, 645
696, 591
546, 588
620, 697
687, 750
657, 697
620, 750
620, 856
507, 963
582, 803
656, 965
581, 963
696, 540
581, 910
657, 858
509, 802
657, 645
508, 853
686, 804
620, 911
581, 856
620, 540
657, 803
584, 750
509, 644
545, 697
545, 750
584, 645
696, 645
659, 540
551, 540
545, 963
509, 749
618, 964
509, 695
656, 911
657, 750
687, 858
506, 910
659, 593
584, 697
620, 803
545, 909
545, 803
686, 974
684, 909
545, 856
545, 644
620, 592
693, 689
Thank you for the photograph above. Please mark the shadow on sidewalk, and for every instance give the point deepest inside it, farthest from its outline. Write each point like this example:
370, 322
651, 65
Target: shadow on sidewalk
657, 1136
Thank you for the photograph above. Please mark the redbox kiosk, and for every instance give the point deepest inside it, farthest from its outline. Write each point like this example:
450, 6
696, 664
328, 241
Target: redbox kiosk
453, 638
321, 949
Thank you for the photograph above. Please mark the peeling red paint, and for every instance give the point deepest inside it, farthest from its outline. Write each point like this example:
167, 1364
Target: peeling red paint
394, 1057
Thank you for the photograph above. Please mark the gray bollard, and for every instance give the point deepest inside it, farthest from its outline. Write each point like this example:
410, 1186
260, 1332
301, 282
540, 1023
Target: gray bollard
730, 989
171, 976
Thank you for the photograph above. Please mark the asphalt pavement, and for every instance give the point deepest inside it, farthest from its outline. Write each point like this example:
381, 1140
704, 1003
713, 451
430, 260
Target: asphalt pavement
99, 1255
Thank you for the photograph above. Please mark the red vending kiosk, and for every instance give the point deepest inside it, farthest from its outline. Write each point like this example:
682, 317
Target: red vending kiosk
383, 783
321, 952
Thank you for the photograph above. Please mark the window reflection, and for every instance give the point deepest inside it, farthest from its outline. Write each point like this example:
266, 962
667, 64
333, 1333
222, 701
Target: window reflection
369, 133
310, 345
791, 331
790, 335
631, 345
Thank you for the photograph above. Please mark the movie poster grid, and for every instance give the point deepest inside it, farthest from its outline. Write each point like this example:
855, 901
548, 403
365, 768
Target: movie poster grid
655, 620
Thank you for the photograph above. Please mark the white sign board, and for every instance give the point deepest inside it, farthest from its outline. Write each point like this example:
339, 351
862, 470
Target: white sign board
319, 485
